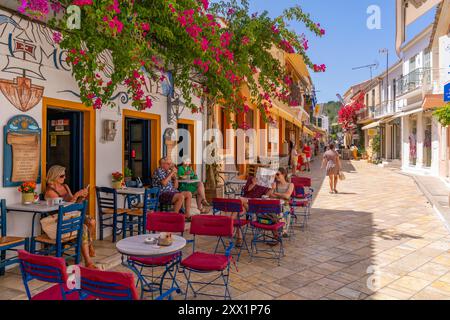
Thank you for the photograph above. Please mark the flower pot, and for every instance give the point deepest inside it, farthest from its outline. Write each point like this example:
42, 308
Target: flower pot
117, 184
28, 197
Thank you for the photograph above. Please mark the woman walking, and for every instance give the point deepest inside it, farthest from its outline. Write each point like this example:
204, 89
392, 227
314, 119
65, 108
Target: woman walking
332, 164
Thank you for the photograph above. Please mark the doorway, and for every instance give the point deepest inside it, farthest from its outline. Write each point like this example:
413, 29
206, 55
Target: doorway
65, 144
137, 156
186, 141
81, 149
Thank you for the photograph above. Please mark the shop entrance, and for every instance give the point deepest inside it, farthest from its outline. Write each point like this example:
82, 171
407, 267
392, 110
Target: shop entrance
65, 144
137, 148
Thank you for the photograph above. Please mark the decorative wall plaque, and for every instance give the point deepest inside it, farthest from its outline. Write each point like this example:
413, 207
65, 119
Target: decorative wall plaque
22, 151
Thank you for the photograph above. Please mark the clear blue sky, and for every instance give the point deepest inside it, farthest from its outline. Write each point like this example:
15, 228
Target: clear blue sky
348, 42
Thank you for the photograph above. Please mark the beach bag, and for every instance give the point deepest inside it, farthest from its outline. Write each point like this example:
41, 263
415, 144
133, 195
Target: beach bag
341, 176
268, 218
49, 225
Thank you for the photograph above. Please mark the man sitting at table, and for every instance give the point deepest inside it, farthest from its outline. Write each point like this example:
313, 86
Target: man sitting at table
185, 171
165, 178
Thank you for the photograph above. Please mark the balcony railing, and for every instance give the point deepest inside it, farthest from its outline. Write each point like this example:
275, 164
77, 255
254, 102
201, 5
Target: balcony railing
413, 80
386, 108
366, 113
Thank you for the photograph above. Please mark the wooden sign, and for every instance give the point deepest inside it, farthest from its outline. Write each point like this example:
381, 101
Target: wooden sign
22, 151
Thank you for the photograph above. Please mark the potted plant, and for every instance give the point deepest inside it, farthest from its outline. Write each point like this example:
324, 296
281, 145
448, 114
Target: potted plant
28, 191
117, 180
128, 175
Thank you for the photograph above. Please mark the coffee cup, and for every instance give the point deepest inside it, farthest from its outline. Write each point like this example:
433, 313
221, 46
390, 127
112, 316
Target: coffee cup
57, 201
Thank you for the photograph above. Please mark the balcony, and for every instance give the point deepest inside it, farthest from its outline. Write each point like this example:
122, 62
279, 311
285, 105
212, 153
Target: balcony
384, 109
366, 114
413, 81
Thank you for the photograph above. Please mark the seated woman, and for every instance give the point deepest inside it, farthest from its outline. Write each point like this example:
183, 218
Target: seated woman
252, 191
165, 178
185, 170
56, 188
282, 189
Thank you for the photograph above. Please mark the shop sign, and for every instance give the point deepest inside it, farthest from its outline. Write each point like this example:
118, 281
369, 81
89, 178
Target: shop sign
21, 147
447, 92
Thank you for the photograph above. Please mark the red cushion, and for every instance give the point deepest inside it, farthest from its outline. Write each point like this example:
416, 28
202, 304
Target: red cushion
159, 261
273, 227
206, 262
54, 293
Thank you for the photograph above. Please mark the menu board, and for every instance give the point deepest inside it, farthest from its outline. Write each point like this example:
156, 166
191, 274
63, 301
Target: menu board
25, 156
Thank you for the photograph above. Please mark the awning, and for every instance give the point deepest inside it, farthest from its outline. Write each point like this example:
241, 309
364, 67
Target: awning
372, 125
308, 131
433, 101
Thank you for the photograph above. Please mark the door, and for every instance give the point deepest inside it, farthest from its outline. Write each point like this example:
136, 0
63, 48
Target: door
137, 155
184, 143
65, 144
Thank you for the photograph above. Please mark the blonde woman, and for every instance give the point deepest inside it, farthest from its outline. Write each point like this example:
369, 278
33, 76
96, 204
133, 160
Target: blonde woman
56, 188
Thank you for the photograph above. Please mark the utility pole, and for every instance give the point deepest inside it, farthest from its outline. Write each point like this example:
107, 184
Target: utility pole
386, 51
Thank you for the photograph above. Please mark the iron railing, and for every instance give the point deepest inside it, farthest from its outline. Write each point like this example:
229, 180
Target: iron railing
412, 81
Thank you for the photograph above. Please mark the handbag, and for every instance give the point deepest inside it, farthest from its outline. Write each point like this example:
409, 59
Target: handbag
268, 218
341, 176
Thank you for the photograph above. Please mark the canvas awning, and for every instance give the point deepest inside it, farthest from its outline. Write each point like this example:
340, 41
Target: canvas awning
433, 101
371, 125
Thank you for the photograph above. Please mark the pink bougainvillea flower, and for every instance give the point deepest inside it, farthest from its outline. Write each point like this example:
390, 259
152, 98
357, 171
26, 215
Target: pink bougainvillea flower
205, 4
245, 40
145, 26
56, 7
82, 2
57, 37
205, 44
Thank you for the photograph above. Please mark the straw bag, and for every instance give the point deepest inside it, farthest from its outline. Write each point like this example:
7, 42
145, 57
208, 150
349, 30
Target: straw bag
49, 225
341, 176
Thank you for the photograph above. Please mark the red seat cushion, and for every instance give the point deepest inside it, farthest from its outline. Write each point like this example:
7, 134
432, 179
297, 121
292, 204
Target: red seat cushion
206, 262
241, 222
272, 227
54, 293
159, 261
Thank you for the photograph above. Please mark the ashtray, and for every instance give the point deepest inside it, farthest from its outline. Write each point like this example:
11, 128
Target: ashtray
151, 240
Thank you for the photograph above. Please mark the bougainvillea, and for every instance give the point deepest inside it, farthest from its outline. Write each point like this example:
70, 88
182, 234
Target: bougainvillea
348, 114
211, 49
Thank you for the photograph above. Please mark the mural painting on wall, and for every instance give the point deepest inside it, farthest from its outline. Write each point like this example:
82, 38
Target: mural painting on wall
27, 48
21, 145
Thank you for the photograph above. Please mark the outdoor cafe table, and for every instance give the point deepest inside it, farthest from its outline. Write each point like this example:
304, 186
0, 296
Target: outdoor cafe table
235, 182
136, 247
126, 192
40, 208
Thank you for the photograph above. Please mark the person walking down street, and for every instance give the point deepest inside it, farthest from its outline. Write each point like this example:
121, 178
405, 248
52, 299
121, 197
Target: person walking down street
332, 163
307, 152
294, 158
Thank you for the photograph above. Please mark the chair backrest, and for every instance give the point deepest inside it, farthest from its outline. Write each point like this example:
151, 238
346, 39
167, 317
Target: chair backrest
71, 224
2, 218
227, 205
299, 191
106, 198
219, 226
151, 199
165, 222
107, 285
264, 206
43, 268
303, 181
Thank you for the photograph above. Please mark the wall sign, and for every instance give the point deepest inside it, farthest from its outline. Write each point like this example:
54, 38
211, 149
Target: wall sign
22, 151
447, 92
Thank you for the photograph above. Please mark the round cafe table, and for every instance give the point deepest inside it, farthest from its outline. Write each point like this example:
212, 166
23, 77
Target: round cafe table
136, 247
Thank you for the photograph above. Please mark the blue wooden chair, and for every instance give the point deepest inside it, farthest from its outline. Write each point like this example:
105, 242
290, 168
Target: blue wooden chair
139, 217
110, 216
69, 233
8, 243
264, 232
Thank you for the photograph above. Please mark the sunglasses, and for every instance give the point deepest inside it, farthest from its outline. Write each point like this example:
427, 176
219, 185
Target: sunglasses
62, 176
278, 174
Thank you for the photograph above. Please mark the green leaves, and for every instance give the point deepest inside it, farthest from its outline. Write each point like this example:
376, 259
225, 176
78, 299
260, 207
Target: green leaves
443, 115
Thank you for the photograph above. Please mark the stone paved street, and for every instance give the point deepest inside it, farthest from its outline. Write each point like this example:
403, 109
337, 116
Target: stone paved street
377, 239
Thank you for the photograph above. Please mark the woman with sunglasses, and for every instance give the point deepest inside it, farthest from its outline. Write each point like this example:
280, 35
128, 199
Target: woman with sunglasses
56, 188
282, 189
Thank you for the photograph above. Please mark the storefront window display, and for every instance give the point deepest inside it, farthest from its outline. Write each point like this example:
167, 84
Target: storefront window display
427, 142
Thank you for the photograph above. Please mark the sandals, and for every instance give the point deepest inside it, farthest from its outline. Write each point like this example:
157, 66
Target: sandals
92, 266
204, 211
239, 243
205, 203
188, 219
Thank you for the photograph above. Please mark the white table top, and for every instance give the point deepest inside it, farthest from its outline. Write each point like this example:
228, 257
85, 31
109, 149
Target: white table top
229, 171
40, 207
131, 191
136, 246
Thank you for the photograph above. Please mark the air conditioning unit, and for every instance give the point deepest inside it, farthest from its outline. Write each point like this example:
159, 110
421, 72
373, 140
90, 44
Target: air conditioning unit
109, 130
